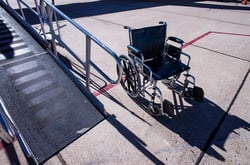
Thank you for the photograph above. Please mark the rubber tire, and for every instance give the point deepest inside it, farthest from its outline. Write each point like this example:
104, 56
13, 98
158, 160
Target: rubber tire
168, 108
198, 94
130, 80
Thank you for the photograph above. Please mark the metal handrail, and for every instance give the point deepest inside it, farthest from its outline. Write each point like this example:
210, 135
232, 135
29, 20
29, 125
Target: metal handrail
11, 129
48, 19
4, 122
90, 37
5, 119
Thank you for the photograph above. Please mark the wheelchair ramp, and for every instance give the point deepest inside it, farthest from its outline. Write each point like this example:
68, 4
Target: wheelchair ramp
47, 107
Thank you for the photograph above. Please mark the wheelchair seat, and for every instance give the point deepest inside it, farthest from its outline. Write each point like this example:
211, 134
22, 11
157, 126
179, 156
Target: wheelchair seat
151, 42
167, 68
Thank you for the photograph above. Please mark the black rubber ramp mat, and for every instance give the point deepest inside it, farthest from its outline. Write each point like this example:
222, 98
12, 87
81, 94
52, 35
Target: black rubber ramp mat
46, 105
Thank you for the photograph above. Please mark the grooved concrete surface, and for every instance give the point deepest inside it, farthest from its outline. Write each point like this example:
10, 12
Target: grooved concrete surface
217, 36
49, 110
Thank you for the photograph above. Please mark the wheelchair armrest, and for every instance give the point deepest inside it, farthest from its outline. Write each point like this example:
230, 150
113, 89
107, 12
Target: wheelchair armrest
175, 39
173, 51
134, 49
135, 52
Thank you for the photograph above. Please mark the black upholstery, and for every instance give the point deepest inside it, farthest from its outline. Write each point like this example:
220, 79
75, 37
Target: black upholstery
174, 52
167, 68
151, 42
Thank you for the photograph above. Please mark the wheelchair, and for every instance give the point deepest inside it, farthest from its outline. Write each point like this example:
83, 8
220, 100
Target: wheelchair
153, 57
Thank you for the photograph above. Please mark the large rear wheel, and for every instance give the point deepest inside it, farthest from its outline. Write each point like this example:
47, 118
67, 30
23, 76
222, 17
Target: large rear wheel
130, 80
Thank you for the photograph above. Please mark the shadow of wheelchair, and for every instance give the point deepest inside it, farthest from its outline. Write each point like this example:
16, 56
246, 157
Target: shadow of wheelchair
197, 123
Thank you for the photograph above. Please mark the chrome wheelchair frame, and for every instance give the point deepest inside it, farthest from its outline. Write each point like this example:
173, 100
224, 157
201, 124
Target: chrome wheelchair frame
142, 70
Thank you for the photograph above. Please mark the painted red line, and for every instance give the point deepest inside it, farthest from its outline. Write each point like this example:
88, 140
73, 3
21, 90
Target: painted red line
196, 39
109, 86
101, 91
207, 33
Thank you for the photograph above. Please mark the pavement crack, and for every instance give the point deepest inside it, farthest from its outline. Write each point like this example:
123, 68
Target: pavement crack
60, 157
202, 17
224, 54
106, 21
215, 131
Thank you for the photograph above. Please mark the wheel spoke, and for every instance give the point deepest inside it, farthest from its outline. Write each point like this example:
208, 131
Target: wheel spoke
130, 80
125, 65
123, 81
131, 85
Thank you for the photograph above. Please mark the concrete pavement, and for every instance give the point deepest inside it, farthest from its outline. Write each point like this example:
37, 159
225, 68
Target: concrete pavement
217, 35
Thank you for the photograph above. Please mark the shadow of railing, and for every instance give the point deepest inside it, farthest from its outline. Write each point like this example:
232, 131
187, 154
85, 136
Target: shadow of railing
96, 86
11, 153
6, 40
133, 139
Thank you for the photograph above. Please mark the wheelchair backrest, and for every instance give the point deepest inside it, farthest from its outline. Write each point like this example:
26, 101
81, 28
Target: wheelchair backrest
150, 40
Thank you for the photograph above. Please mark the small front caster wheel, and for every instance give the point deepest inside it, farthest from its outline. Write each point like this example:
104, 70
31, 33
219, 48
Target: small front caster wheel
198, 94
187, 92
154, 109
168, 108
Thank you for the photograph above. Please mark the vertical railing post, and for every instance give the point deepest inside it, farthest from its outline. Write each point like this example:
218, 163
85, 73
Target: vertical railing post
88, 54
50, 12
21, 9
47, 14
40, 8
